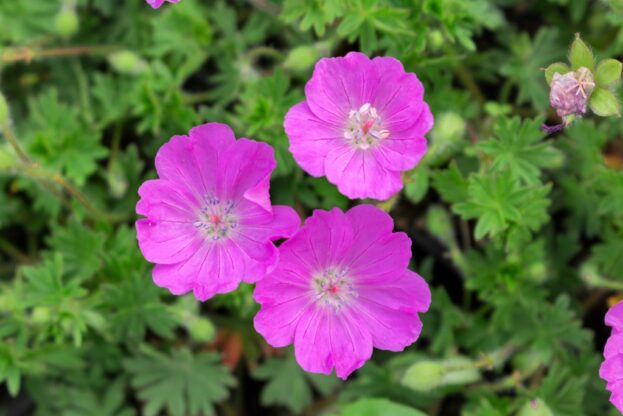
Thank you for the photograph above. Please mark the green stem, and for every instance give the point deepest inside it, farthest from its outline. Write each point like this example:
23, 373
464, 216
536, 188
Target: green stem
13, 252
28, 54
258, 51
8, 134
46, 178
83, 87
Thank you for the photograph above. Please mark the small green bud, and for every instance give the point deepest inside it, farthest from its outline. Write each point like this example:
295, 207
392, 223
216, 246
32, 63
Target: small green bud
202, 330
459, 371
435, 40
446, 137
538, 272
424, 376
117, 181
301, 58
4, 111
449, 127
41, 315
127, 62
66, 22
536, 407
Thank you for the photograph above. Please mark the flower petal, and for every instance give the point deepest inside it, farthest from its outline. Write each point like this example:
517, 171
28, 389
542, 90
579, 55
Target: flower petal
283, 305
311, 138
399, 97
339, 85
401, 151
162, 200
390, 311
376, 254
167, 242
325, 340
358, 174
214, 268
245, 166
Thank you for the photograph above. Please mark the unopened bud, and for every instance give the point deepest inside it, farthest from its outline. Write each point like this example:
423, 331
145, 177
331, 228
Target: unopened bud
41, 315
436, 40
424, 376
66, 22
127, 62
202, 330
301, 58
570, 92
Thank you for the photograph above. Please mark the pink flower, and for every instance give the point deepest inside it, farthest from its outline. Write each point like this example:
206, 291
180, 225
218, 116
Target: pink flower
157, 3
210, 223
341, 287
363, 122
612, 368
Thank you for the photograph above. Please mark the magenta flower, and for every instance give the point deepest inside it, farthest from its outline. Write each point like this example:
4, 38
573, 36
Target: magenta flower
341, 287
612, 368
363, 122
157, 3
210, 223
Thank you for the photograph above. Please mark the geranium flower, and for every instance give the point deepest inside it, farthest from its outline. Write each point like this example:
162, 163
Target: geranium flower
362, 123
209, 222
569, 95
341, 287
612, 368
157, 3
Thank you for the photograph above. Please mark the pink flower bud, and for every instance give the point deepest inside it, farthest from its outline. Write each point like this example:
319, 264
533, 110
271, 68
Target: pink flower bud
570, 92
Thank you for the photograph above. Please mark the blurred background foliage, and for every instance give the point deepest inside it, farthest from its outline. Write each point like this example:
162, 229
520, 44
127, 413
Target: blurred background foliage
520, 235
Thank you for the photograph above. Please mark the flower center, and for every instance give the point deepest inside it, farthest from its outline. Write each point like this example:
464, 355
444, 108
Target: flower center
333, 287
216, 219
363, 128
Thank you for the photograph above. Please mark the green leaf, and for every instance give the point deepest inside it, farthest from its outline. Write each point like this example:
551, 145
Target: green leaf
378, 407
451, 184
416, 185
563, 391
608, 72
81, 247
608, 254
60, 139
262, 107
181, 384
498, 202
523, 67
288, 385
47, 286
134, 306
557, 67
604, 103
550, 330
519, 147
580, 55
313, 13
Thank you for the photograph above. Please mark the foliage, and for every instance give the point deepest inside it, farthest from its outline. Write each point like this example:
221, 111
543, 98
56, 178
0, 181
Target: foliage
519, 234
